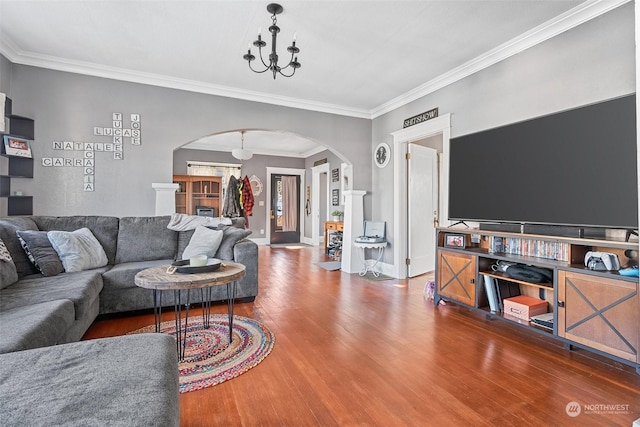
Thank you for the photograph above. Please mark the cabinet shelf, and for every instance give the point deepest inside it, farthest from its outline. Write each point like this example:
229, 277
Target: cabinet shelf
503, 276
519, 322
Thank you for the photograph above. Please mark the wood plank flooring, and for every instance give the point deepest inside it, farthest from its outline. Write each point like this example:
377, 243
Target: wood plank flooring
353, 352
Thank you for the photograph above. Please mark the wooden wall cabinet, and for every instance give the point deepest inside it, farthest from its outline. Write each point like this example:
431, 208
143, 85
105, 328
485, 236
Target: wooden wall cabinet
196, 192
595, 310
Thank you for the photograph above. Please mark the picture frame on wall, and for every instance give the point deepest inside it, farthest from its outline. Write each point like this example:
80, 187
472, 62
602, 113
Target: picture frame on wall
17, 147
335, 175
335, 197
454, 241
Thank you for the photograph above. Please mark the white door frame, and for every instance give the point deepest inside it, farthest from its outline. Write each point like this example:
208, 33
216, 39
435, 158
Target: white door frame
284, 171
439, 125
316, 171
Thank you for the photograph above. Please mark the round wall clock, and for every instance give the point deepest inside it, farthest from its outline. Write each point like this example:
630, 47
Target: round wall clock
382, 154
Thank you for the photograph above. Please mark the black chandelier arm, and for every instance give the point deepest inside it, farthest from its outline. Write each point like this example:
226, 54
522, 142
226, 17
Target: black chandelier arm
292, 63
262, 59
287, 75
257, 71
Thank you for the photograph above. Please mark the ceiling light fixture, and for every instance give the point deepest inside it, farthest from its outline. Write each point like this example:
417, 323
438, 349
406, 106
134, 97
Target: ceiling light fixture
241, 153
274, 9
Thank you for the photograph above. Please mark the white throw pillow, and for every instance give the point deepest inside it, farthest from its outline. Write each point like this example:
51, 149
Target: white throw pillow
204, 241
78, 250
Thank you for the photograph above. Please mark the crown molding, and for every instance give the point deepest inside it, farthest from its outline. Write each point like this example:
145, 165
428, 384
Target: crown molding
580, 14
15, 55
572, 18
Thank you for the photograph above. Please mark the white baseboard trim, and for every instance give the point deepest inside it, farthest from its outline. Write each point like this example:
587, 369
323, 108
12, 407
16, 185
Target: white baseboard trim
263, 241
306, 240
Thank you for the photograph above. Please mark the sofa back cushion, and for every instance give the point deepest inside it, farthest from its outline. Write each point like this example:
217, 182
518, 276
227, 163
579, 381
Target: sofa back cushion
40, 252
146, 239
104, 228
8, 228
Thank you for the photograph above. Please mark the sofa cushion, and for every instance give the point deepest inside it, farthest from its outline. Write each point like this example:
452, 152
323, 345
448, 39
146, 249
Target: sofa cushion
78, 250
204, 241
8, 228
36, 325
8, 273
38, 248
81, 288
231, 235
104, 228
121, 381
145, 239
122, 276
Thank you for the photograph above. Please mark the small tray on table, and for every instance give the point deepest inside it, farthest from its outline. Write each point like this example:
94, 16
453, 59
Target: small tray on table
183, 266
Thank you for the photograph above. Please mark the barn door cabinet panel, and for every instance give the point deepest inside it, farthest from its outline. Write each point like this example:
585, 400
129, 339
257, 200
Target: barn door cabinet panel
599, 312
457, 276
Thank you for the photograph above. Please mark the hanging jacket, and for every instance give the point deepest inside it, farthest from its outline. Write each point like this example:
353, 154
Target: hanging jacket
247, 197
232, 207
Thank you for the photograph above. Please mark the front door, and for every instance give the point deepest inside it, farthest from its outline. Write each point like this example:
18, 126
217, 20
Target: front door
285, 209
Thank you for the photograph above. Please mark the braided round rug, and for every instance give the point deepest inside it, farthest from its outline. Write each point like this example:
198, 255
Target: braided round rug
209, 359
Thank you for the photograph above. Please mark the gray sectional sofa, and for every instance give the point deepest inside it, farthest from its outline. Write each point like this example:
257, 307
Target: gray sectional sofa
45, 310
38, 311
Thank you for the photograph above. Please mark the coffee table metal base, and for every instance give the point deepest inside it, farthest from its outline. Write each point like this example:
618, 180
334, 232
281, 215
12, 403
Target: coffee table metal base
181, 333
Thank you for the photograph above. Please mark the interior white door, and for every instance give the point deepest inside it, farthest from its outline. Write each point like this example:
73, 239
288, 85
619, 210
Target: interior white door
422, 201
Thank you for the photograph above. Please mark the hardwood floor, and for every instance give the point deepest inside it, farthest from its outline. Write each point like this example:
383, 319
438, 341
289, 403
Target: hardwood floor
352, 352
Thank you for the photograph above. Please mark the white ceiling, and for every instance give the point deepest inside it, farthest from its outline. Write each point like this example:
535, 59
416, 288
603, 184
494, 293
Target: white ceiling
359, 58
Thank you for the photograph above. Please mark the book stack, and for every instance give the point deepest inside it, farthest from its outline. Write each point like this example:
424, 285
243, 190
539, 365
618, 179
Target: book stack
558, 251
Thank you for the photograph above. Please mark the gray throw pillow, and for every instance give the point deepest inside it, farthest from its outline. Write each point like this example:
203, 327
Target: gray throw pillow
8, 273
78, 250
38, 248
204, 241
231, 236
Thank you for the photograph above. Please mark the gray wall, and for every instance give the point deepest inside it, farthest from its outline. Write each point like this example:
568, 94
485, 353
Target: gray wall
592, 62
67, 106
257, 166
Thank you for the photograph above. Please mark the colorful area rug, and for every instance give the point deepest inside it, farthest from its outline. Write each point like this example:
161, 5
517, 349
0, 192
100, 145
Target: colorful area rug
209, 359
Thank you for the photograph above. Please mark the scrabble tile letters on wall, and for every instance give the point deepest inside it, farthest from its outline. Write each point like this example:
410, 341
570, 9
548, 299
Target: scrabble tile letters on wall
111, 141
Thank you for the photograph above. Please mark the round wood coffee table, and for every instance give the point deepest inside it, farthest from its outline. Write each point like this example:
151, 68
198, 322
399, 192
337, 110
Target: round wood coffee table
162, 278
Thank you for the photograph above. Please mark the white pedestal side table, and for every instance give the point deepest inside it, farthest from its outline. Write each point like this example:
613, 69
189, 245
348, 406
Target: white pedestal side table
370, 264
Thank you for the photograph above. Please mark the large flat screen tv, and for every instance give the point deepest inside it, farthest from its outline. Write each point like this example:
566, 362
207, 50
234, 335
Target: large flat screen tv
573, 168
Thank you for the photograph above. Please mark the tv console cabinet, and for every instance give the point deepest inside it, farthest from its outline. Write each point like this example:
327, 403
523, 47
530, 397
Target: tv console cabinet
594, 310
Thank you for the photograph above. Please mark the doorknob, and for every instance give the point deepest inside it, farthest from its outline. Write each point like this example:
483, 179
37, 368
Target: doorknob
273, 216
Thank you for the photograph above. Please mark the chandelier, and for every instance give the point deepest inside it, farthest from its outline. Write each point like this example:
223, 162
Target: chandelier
274, 9
242, 153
